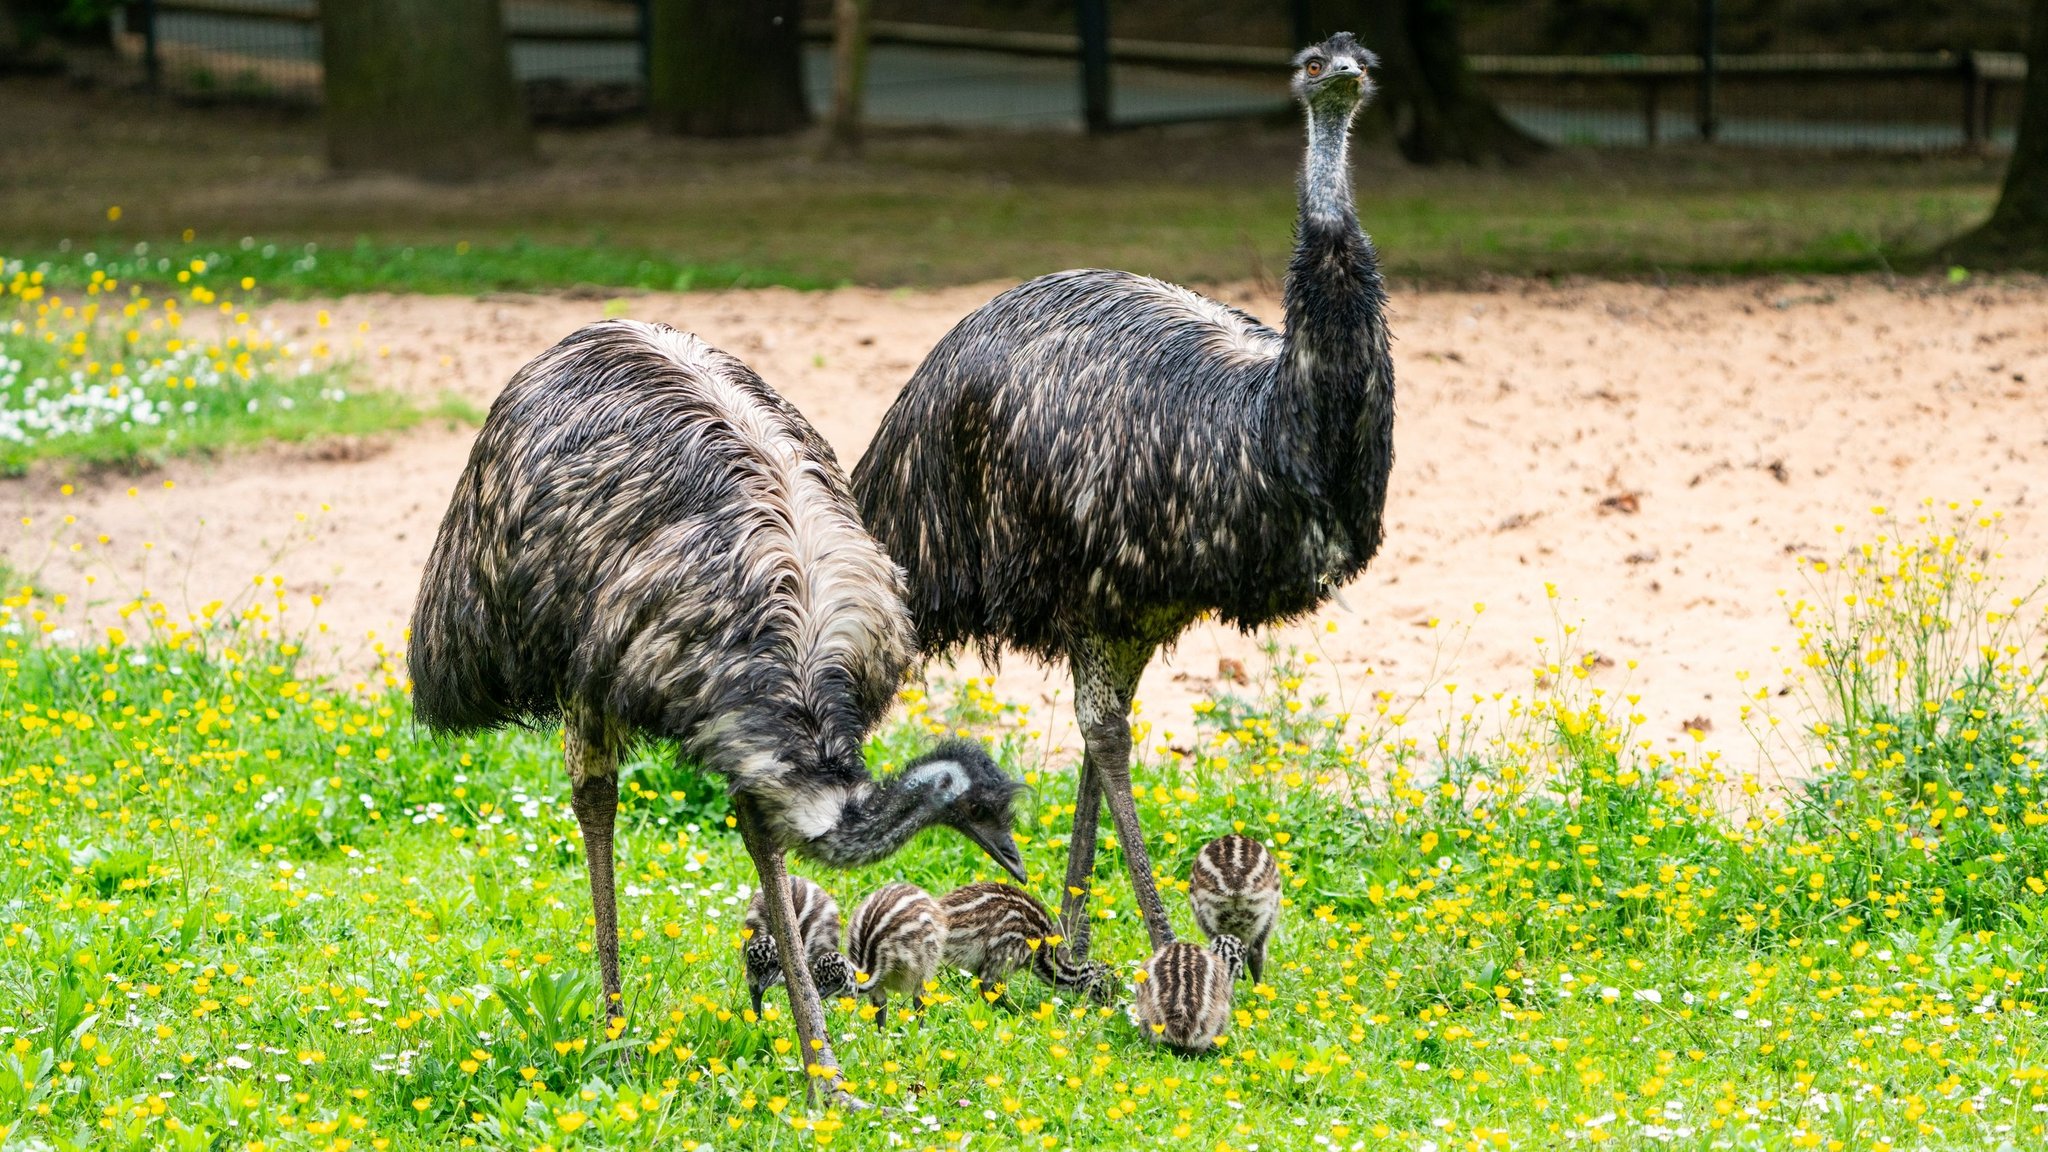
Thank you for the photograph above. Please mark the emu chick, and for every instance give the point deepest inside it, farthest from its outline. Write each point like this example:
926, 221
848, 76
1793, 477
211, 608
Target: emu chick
895, 943
1183, 997
993, 929
817, 928
1235, 889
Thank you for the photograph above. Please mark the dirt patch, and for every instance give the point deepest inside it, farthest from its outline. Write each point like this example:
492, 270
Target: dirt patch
1660, 456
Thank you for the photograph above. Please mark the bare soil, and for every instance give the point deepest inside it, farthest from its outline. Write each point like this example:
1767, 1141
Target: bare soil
1660, 455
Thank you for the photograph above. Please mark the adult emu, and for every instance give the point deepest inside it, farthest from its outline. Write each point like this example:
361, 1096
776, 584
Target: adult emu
648, 541
1094, 459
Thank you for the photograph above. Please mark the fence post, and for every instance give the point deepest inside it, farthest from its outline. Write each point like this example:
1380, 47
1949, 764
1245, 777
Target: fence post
1973, 101
152, 68
1990, 112
644, 11
1710, 123
1093, 16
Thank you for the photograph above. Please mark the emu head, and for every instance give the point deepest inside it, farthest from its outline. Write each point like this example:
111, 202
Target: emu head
1334, 75
832, 974
764, 967
1231, 951
1098, 982
975, 797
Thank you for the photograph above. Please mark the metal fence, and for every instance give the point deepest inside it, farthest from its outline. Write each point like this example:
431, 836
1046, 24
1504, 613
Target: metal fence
578, 60
1846, 74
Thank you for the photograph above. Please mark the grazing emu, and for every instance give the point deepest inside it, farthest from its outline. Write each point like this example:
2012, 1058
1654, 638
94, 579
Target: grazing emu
649, 542
1235, 891
1093, 459
817, 925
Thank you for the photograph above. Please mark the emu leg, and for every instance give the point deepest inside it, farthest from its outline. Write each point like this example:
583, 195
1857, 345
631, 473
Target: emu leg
1123, 810
594, 780
804, 1005
1105, 678
1081, 859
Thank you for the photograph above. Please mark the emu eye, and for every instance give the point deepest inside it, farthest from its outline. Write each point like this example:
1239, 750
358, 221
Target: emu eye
1315, 68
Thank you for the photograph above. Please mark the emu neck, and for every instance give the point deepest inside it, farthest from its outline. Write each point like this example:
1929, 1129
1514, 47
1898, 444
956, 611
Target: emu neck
1331, 407
1333, 281
1326, 172
876, 820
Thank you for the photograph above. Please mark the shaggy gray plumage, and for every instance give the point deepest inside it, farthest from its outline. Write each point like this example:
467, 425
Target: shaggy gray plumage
648, 541
1093, 459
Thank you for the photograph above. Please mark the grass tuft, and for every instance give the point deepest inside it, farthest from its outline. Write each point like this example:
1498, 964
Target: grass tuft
99, 376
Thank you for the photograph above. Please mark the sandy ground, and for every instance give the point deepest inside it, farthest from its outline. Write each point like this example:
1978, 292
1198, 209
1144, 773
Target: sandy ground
1659, 454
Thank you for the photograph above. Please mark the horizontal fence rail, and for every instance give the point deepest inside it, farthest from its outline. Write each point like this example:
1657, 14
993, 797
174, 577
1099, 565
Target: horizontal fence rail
592, 57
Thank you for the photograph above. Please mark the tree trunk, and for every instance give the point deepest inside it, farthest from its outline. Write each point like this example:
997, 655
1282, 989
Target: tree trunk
2016, 236
13, 37
727, 68
422, 87
849, 73
1427, 92
26, 43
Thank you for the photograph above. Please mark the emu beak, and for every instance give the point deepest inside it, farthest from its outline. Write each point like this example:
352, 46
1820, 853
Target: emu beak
1001, 847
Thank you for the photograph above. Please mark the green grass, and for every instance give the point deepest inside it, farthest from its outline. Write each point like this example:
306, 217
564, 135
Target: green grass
94, 373
924, 238
249, 907
305, 269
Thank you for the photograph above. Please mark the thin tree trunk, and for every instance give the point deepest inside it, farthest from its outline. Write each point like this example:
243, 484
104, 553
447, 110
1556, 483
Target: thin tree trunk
849, 73
422, 87
727, 68
1427, 92
2016, 236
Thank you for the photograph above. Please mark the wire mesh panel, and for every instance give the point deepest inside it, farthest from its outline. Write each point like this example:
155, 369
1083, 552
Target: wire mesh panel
926, 84
265, 50
1860, 74
1015, 62
578, 60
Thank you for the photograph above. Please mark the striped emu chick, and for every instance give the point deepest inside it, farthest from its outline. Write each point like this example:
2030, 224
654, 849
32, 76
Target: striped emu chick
817, 928
1235, 889
895, 943
1184, 995
992, 930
